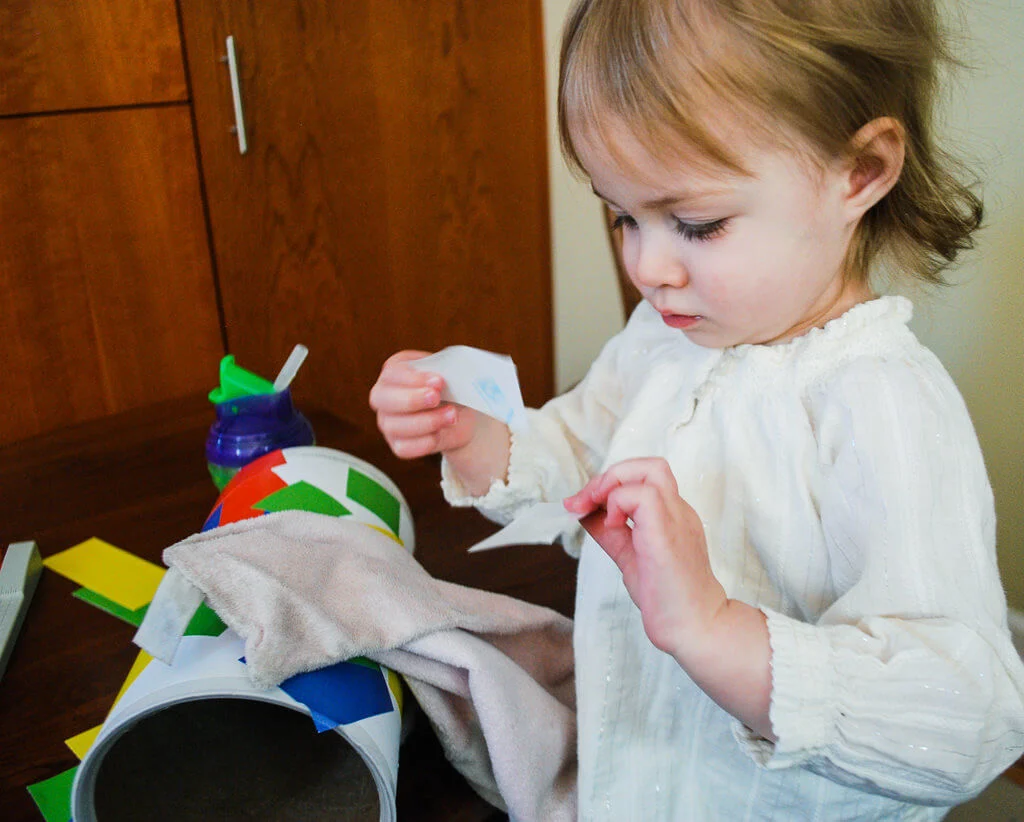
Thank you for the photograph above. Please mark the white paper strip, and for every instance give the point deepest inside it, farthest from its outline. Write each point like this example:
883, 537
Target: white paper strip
174, 604
539, 525
481, 380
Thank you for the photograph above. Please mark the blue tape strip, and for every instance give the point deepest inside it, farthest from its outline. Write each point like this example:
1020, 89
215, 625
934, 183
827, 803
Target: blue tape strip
341, 694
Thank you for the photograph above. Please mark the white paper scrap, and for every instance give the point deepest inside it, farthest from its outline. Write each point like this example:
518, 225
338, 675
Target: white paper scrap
539, 525
481, 380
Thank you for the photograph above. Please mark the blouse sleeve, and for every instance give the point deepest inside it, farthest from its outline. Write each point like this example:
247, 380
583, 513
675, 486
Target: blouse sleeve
908, 685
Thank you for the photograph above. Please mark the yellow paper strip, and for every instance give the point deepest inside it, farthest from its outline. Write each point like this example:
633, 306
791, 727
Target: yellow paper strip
141, 661
81, 743
385, 532
111, 572
395, 684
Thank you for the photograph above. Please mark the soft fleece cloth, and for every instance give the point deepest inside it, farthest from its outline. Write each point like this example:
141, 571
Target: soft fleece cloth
493, 674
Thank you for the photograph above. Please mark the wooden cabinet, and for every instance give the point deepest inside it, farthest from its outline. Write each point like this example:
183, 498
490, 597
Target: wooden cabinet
394, 193
76, 54
107, 300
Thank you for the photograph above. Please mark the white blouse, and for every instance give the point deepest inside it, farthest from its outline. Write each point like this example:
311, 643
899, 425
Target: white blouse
843, 492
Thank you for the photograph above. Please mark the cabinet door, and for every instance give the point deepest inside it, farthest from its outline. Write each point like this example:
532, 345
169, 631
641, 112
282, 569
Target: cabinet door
394, 193
76, 54
106, 293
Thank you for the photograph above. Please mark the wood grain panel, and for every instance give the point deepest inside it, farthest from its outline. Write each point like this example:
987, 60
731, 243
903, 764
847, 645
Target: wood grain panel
88, 53
395, 191
106, 292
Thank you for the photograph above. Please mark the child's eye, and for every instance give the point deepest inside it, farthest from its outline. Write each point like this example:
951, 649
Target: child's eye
700, 231
623, 221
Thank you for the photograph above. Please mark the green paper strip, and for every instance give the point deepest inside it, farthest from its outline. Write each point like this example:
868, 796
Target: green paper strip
111, 607
53, 796
303, 496
205, 622
374, 496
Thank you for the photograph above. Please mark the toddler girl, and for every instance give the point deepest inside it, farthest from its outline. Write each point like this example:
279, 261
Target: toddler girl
789, 606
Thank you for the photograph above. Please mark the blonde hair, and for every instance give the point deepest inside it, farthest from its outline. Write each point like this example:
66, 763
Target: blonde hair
820, 68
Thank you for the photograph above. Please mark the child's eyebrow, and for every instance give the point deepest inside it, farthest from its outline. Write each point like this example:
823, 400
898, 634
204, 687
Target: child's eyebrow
670, 199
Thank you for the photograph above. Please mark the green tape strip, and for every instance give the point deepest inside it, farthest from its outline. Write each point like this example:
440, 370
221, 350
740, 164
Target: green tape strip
221, 474
205, 621
111, 607
302, 496
53, 796
374, 496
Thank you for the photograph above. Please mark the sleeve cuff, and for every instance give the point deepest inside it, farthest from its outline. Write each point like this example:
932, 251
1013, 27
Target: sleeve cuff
530, 467
804, 696
500, 502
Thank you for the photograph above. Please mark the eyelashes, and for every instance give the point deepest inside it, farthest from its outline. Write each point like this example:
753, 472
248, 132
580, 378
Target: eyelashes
700, 231
696, 232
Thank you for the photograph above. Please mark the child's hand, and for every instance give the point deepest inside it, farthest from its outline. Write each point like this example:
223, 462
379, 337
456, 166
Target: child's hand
663, 557
415, 423
410, 413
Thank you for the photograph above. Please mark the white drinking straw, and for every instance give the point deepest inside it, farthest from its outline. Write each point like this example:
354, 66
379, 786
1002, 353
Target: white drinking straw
290, 368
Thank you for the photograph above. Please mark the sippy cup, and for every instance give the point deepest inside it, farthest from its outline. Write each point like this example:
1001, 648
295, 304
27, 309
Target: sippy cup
254, 417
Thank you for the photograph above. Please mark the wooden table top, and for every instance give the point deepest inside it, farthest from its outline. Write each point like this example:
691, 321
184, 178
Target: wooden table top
139, 481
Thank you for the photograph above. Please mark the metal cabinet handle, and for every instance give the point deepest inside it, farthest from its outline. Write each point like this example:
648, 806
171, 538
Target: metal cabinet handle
236, 95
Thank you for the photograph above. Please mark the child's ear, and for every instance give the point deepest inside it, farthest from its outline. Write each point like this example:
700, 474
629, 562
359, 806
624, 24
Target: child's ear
874, 163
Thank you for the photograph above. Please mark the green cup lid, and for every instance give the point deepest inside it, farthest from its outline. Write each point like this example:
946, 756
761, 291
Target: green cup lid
236, 382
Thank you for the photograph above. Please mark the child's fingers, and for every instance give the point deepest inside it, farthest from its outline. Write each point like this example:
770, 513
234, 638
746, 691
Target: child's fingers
405, 356
588, 498
396, 371
402, 376
581, 502
653, 472
412, 426
595, 493
637, 502
420, 435
389, 398
416, 446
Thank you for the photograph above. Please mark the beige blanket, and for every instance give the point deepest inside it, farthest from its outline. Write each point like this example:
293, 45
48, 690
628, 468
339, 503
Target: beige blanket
493, 674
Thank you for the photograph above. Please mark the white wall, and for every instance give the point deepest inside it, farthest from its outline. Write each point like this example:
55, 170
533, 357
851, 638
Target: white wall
586, 298
975, 327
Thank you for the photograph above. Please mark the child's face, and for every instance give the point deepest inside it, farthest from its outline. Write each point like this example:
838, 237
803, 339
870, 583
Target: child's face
726, 258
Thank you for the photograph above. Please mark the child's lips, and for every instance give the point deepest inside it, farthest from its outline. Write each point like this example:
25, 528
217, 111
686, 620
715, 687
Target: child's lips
681, 321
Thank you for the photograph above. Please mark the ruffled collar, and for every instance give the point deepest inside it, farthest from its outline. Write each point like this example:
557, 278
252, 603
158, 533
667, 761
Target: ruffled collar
887, 311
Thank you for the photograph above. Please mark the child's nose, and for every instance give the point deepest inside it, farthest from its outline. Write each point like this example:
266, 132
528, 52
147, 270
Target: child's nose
658, 265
